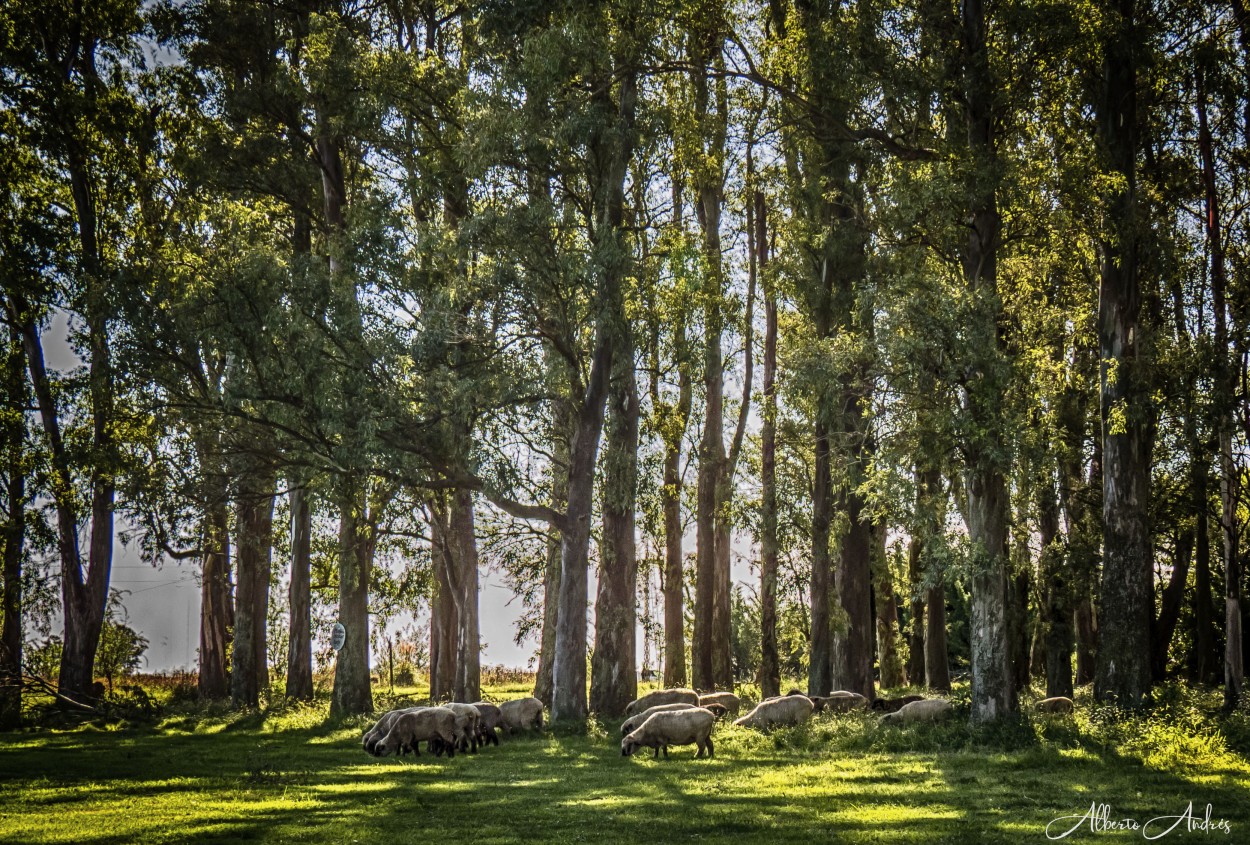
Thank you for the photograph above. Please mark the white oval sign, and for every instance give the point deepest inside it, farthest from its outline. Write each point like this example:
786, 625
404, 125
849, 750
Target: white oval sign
338, 636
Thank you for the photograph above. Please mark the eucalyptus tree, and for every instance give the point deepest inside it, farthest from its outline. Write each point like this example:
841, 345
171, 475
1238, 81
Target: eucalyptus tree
71, 84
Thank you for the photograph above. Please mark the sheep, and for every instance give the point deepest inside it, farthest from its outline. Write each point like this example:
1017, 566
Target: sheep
728, 700
468, 722
771, 712
662, 696
839, 701
436, 724
925, 710
383, 726
490, 721
673, 727
1057, 704
634, 722
893, 705
521, 714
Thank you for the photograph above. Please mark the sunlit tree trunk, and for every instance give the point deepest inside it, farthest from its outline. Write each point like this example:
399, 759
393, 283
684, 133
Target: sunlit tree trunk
249, 675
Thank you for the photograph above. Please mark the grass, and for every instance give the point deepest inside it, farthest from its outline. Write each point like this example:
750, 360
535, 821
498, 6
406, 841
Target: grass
286, 775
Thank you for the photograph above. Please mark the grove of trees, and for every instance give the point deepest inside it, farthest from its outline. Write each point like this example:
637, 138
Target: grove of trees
866, 342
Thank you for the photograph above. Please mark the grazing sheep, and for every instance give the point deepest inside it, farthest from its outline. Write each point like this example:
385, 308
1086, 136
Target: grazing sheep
663, 696
1058, 704
436, 724
490, 721
634, 722
728, 700
673, 727
893, 705
521, 714
839, 701
925, 710
468, 721
383, 726
771, 712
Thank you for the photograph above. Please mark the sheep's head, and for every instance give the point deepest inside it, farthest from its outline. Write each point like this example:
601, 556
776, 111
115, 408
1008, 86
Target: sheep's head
628, 747
629, 726
381, 749
891, 719
718, 710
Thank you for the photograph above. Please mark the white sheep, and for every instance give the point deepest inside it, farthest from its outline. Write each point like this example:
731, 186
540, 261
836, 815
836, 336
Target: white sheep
662, 696
383, 726
468, 722
773, 712
436, 724
1057, 704
521, 714
928, 710
728, 700
634, 722
491, 719
673, 727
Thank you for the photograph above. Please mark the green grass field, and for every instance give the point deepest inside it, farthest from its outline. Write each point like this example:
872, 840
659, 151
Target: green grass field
285, 775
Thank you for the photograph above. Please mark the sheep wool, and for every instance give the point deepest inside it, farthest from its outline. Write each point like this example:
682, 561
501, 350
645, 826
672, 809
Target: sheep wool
1057, 704
521, 714
728, 700
663, 696
775, 712
928, 710
634, 722
436, 724
692, 726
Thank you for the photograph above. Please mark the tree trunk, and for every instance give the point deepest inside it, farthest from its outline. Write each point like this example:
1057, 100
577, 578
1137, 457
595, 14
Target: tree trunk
1058, 607
613, 678
352, 692
770, 666
820, 640
888, 658
463, 580
216, 602
14, 534
1123, 669
937, 667
254, 519
299, 680
1170, 607
1203, 661
992, 688
1234, 668
852, 645
551, 573
443, 621
674, 557
915, 628
1018, 625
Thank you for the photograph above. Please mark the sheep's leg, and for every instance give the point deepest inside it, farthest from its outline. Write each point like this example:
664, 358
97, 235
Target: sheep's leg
655, 752
709, 747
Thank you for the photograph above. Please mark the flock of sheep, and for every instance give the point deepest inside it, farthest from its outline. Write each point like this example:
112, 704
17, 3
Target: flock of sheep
656, 721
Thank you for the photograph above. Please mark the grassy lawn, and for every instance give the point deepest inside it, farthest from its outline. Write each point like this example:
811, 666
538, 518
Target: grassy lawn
286, 776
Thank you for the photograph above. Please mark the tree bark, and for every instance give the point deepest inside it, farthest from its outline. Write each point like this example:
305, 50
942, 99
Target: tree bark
14, 533
937, 668
820, 639
1058, 608
463, 580
992, 688
613, 678
770, 665
216, 601
915, 628
889, 661
1170, 607
1123, 668
299, 680
443, 621
551, 575
674, 557
1234, 668
352, 692
254, 520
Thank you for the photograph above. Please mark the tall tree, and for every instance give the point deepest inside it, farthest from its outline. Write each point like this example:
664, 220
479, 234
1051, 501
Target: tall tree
1123, 670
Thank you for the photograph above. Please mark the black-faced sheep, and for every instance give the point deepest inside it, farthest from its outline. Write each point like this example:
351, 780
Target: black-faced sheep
728, 700
839, 701
673, 727
1057, 704
773, 712
521, 714
491, 719
435, 724
926, 710
662, 696
893, 705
